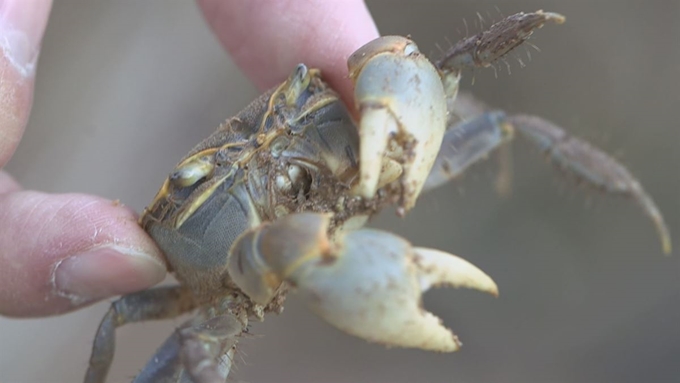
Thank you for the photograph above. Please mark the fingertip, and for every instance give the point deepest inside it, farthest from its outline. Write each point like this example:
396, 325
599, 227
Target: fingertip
61, 252
22, 25
354, 27
268, 38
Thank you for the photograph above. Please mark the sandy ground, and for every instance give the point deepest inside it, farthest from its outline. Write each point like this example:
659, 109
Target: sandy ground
125, 88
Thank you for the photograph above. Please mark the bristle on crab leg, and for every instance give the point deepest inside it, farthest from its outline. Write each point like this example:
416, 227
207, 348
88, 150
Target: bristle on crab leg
368, 283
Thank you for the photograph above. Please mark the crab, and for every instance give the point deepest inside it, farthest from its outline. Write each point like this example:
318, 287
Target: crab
276, 200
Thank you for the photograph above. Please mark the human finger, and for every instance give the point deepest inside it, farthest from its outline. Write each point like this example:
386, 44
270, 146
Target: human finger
61, 252
267, 38
22, 24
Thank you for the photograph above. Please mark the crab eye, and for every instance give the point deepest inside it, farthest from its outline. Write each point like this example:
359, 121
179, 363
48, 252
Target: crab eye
193, 170
300, 72
296, 84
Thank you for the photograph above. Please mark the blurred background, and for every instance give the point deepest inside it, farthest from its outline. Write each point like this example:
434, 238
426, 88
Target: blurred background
125, 88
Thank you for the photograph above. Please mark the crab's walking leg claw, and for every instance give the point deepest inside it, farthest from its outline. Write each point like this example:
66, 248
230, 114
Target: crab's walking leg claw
592, 165
158, 303
368, 283
401, 101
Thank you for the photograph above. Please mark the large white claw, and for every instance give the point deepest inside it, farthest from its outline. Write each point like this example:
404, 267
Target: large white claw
368, 283
400, 97
373, 289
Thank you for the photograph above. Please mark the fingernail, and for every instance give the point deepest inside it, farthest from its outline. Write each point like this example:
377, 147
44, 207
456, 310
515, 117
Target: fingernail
22, 24
105, 272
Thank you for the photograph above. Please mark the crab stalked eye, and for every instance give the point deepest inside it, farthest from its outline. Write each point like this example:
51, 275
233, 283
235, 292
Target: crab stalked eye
194, 169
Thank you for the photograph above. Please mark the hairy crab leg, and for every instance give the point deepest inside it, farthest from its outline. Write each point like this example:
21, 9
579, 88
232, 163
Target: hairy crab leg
158, 303
202, 349
480, 51
367, 283
466, 107
166, 365
471, 141
592, 165
483, 49
208, 357
467, 143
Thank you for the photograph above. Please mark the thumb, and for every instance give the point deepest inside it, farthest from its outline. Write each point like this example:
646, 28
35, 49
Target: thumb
61, 252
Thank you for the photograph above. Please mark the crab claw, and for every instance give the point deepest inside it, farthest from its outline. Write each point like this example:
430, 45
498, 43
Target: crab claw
400, 98
367, 283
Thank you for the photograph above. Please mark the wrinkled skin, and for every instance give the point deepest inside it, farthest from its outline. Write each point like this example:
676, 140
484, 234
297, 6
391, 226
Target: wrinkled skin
276, 198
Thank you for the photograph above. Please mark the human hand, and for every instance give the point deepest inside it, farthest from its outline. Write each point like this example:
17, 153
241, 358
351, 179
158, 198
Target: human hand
62, 252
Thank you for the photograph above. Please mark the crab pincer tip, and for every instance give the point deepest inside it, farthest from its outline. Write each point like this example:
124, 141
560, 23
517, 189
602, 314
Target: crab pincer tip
439, 268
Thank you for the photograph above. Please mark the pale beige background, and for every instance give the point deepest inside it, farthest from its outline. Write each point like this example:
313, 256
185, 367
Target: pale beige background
125, 88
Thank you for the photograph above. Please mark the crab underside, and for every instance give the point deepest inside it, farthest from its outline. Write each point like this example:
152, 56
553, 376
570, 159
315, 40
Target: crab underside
276, 198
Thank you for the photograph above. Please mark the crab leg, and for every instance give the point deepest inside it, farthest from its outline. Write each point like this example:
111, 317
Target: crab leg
195, 353
166, 365
367, 283
591, 165
208, 357
158, 303
201, 350
471, 141
466, 144
483, 49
